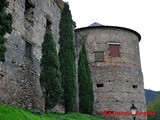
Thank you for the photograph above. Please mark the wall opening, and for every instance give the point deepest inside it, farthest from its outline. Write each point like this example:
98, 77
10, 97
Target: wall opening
114, 50
48, 26
28, 50
29, 14
99, 56
100, 85
1, 76
134, 86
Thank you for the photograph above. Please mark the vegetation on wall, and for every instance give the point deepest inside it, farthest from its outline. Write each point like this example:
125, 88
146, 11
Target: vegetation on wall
86, 96
67, 58
50, 77
154, 106
5, 27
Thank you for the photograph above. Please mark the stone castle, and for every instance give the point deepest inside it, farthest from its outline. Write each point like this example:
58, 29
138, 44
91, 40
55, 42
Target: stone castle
113, 54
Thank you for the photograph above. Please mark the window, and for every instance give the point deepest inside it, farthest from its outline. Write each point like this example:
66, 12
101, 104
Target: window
114, 50
99, 56
29, 13
100, 85
134, 86
28, 5
48, 26
1, 76
28, 50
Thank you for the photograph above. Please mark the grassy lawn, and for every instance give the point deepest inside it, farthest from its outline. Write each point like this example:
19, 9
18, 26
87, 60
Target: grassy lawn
12, 113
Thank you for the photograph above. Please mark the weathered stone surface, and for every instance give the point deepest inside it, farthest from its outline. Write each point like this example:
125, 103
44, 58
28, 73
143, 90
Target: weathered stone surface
117, 75
19, 75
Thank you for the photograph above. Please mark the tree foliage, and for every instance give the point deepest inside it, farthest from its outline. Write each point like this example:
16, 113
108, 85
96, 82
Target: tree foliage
67, 58
86, 96
5, 27
50, 77
154, 107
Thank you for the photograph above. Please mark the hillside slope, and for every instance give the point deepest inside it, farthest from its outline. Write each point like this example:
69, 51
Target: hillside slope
151, 95
11, 113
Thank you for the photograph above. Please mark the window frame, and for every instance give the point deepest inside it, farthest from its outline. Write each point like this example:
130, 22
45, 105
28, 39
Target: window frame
111, 53
102, 56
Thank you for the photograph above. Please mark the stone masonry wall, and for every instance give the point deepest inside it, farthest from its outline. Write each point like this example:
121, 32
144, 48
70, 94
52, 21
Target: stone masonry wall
117, 74
19, 74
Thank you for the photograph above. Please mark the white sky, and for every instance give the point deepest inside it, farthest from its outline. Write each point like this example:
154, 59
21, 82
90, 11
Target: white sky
139, 15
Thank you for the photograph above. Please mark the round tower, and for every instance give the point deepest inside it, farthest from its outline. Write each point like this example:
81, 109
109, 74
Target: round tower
114, 59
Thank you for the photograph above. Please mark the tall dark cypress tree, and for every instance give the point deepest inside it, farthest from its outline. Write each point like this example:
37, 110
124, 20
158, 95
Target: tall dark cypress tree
67, 58
86, 96
5, 27
50, 77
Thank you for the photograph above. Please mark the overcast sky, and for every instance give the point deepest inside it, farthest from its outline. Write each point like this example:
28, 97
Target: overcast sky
139, 15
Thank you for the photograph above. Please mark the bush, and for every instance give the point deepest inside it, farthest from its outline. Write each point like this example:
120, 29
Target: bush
154, 107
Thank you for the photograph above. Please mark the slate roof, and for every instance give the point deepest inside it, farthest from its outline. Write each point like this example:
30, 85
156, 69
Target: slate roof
95, 24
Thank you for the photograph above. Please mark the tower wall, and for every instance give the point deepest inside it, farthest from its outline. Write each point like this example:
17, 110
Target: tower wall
117, 80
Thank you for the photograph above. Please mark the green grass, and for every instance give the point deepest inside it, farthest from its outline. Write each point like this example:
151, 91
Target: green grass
12, 113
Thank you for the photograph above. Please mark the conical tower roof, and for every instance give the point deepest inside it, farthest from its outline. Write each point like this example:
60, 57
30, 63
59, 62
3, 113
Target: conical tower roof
95, 24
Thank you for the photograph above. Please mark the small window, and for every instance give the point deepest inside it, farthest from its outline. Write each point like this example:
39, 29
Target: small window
28, 50
100, 85
114, 50
28, 5
134, 86
29, 13
48, 26
1, 76
99, 56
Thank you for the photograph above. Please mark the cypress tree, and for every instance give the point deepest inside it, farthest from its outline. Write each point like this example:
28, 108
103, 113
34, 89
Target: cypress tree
50, 77
86, 96
5, 27
67, 58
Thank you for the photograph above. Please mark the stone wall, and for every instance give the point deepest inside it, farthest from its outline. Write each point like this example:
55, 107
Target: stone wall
19, 74
120, 79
